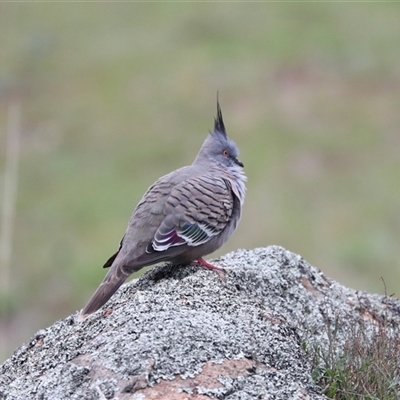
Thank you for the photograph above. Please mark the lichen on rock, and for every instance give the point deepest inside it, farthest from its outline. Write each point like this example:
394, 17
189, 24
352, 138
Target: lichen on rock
187, 333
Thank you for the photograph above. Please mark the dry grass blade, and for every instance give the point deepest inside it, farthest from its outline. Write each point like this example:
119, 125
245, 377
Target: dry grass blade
367, 367
8, 208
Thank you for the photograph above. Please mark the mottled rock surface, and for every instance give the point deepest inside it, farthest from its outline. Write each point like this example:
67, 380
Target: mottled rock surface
187, 333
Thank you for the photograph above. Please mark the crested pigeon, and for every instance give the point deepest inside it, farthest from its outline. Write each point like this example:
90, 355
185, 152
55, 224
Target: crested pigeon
183, 216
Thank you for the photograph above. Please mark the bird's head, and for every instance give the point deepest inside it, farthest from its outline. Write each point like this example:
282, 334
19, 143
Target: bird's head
218, 148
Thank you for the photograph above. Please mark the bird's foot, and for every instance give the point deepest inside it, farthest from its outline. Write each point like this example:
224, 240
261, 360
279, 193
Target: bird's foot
201, 261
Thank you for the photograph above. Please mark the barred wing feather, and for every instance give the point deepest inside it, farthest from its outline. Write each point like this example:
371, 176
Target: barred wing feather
196, 210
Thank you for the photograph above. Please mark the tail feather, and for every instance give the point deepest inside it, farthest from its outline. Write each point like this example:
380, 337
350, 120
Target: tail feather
121, 268
112, 281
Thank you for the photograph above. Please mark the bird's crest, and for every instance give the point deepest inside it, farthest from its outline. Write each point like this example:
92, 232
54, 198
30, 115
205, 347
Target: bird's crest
219, 122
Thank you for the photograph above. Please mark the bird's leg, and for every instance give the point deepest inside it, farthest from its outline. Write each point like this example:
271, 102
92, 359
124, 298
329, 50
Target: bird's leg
201, 261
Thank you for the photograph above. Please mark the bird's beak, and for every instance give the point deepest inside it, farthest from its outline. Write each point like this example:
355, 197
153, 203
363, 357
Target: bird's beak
238, 162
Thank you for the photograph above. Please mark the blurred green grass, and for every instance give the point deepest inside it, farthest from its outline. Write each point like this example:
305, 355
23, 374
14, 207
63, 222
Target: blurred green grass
115, 95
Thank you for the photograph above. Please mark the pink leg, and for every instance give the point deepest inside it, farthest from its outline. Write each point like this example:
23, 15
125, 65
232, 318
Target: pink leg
201, 261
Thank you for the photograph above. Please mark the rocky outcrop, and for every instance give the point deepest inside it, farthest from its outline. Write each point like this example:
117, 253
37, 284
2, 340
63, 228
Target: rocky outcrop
189, 333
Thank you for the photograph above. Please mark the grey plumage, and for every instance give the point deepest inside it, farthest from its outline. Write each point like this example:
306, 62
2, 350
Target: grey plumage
182, 217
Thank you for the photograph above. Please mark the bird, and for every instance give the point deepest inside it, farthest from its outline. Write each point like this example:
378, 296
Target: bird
185, 215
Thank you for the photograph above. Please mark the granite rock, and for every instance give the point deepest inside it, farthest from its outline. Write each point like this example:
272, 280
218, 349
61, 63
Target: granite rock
187, 333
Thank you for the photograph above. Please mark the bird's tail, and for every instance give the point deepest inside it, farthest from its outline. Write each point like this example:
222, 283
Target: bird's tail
111, 282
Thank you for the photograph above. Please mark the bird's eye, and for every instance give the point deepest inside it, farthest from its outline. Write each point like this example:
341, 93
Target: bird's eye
225, 152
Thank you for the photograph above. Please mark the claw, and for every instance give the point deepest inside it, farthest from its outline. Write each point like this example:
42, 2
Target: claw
201, 261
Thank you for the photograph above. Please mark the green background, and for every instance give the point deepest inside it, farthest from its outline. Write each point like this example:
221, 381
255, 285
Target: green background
112, 96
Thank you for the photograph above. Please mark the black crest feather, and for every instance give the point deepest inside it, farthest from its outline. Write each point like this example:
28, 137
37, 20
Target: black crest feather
219, 122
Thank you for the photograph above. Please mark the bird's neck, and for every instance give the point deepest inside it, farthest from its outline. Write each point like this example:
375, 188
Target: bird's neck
236, 178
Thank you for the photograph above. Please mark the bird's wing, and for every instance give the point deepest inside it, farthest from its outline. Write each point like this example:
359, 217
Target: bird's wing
147, 217
110, 261
196, 210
